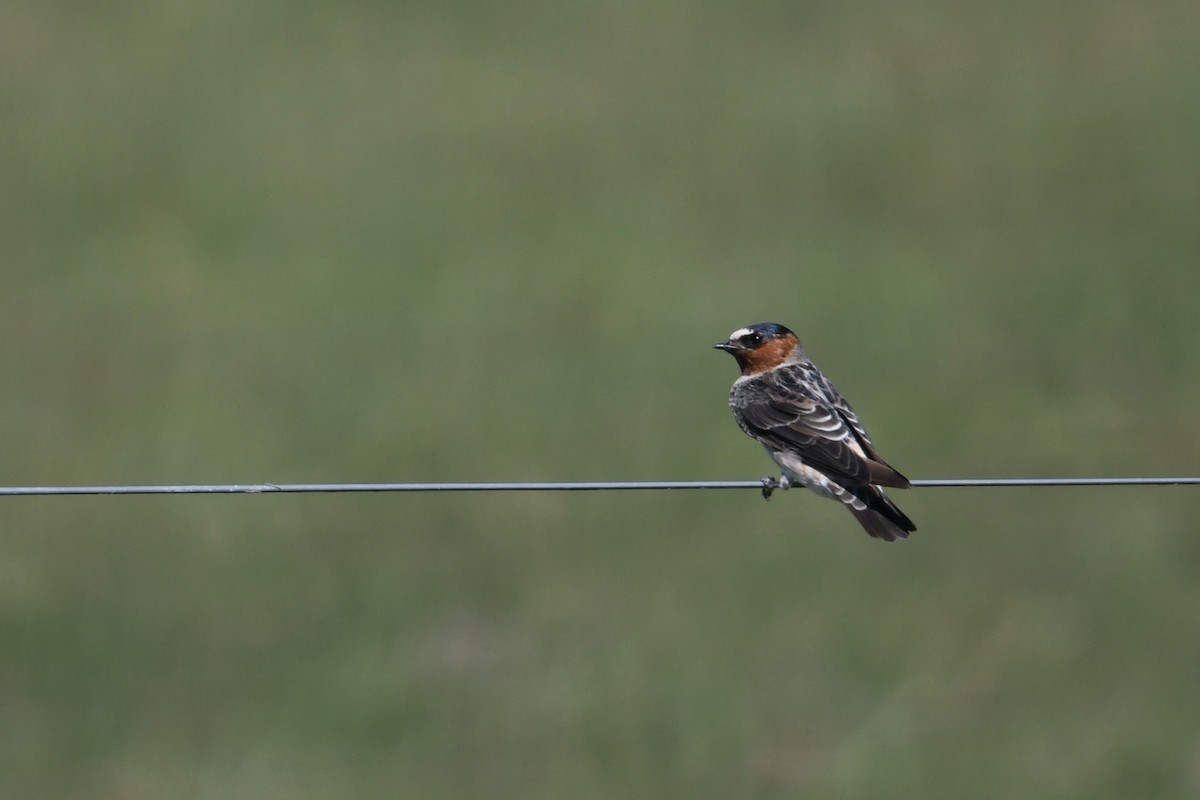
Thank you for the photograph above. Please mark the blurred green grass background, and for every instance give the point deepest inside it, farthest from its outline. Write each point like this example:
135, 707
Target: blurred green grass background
315, 242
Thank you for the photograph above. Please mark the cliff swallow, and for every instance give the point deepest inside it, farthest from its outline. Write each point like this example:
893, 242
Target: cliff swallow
784, 402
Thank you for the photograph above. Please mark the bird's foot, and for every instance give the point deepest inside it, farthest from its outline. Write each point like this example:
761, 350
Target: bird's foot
770, 484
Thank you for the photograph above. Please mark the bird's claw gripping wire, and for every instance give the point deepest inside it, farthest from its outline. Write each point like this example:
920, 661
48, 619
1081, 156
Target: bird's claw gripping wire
769, 485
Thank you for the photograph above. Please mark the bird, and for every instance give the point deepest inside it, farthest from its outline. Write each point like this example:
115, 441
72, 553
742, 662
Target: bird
785, 403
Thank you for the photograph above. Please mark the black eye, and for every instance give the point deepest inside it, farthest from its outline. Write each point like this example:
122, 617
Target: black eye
752, 339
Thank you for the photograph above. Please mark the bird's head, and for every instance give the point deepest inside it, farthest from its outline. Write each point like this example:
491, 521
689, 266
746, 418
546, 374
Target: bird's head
761, 347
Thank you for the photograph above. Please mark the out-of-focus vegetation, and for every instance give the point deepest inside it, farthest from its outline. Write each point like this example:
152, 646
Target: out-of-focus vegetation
443, 241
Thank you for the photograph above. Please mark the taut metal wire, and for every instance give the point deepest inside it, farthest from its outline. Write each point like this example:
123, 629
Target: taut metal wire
553, 486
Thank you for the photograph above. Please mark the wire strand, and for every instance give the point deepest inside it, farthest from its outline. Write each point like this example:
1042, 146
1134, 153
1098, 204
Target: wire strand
305, 488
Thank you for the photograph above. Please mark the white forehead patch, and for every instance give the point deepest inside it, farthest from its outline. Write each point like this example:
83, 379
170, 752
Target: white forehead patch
739, 333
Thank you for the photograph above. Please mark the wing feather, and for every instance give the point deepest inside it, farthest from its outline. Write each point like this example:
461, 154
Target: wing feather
797, 409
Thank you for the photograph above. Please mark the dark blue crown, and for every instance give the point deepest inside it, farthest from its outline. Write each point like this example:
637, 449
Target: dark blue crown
771, 330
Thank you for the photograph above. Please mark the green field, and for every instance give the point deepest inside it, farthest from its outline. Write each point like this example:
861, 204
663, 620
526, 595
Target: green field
317, 242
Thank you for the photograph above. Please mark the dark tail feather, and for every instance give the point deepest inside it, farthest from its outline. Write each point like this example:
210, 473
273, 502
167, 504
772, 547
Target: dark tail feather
886, 475
882, 518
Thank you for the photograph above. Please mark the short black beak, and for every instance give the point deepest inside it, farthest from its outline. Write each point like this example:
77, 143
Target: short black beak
726, 346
